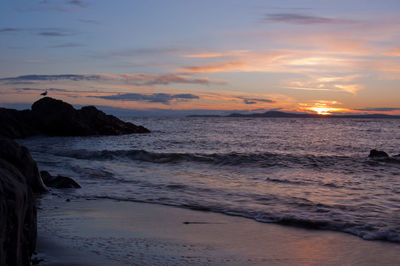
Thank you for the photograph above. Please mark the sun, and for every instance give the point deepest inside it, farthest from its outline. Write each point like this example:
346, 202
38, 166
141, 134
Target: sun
321, 107
322, 110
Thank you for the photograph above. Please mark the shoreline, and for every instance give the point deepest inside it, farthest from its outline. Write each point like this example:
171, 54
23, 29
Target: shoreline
109, 232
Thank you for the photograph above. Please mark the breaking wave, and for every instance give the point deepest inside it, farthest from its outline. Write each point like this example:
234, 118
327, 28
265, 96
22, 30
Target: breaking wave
260, 160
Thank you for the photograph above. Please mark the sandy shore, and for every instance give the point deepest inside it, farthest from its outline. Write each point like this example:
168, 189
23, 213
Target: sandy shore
107, 232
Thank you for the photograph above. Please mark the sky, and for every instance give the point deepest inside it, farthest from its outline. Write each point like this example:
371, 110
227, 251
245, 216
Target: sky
180, 56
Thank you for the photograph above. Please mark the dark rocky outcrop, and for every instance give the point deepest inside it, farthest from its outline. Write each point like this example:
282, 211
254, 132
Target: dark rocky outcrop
378, 154
46, 177
58, 181
19, 157
19, 176
57, 118
16, 124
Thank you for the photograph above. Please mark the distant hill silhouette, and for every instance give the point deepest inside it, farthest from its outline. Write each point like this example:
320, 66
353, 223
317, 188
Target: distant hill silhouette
297, 115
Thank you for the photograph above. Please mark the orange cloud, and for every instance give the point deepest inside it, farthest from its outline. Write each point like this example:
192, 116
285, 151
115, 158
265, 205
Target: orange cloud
317, 61
232, 53
221, 67
344, 49
351, 88
205, 55
327, 83
275, 61
338, 78
394, 53
387, 69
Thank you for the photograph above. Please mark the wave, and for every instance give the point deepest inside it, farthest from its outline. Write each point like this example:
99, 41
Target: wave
234, 158
367, 231
344, 164
301, 183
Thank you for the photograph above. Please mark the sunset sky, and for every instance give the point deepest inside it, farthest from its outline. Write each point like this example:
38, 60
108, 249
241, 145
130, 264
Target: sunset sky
290, 55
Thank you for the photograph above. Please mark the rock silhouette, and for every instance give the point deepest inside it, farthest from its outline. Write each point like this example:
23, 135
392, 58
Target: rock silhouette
53, 117
58, 181
19, 157
378, 154
19, 178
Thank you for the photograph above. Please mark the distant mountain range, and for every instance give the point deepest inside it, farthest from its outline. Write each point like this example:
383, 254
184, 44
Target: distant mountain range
303, 115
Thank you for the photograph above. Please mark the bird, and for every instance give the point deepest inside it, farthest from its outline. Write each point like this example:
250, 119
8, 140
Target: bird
44, 93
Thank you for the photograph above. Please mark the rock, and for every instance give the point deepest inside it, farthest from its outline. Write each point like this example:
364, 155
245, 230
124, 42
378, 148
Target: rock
378, 154
58, 181
64, 182
102, 124
18, 222
16, 124
20, 157
57, 118
36, 261
46, 177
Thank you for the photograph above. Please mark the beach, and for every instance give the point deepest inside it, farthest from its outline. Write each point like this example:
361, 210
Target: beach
76, 231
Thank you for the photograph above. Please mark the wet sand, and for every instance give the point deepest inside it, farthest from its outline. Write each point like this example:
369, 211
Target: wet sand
108, 232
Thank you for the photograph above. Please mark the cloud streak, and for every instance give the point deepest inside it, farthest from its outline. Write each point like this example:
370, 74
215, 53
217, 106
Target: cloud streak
220, 67
67, 45
55, 33
302, 19
65, 6
150, 80
38, 89
30, 78
379, 109
163, 98
43, 32
273, 61
137, 80
257, 100
78, 3
4, 30
336, 83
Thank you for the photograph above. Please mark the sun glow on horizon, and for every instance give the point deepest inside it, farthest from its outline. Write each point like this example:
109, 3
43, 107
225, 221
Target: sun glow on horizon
325, 108
322, 110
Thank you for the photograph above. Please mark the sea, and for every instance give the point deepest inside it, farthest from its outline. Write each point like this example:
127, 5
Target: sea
306, 172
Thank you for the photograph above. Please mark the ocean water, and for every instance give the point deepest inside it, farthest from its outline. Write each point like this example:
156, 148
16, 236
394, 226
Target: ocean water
308, 172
